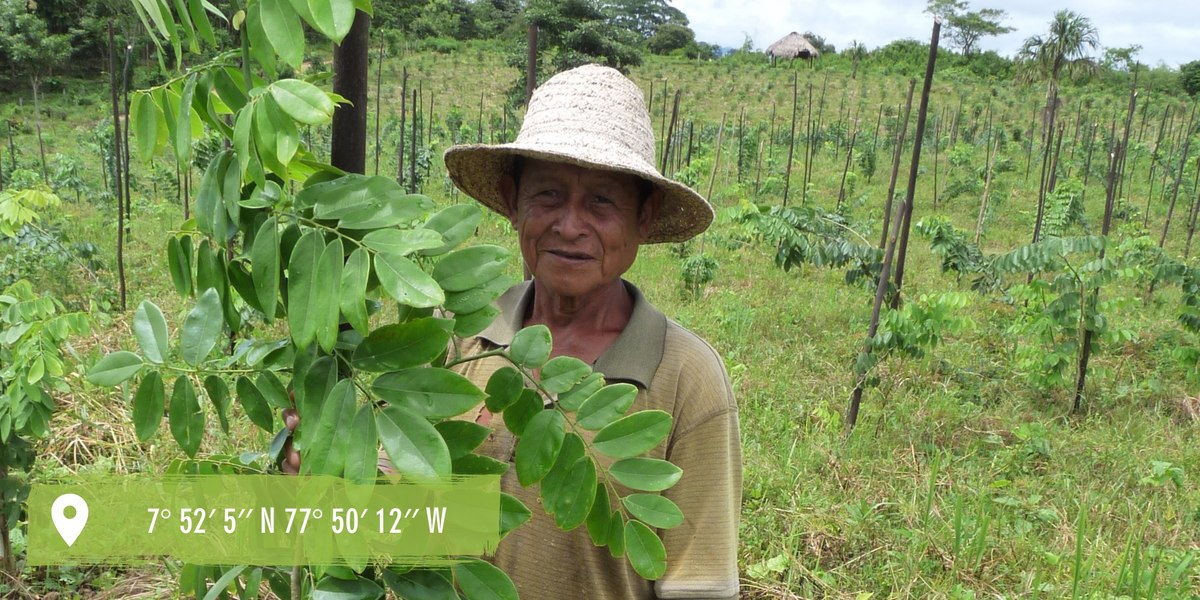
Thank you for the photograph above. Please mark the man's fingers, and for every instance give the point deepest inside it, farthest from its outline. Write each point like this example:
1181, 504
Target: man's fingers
290, 418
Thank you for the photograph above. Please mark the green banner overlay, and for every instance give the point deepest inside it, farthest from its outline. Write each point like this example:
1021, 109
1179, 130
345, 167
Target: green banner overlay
261, 519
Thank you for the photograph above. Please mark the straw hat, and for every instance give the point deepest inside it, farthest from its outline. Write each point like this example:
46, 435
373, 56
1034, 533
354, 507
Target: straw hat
591, 116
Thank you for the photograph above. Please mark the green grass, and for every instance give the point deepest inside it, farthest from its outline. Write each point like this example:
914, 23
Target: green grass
962, 480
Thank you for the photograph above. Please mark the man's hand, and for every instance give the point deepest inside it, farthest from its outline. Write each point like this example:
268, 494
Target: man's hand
291, 457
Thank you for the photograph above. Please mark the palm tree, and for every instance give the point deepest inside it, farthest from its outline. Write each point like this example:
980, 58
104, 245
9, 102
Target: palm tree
1061, 52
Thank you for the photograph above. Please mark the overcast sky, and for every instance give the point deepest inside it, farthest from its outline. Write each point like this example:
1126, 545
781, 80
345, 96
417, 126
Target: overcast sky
1168, 30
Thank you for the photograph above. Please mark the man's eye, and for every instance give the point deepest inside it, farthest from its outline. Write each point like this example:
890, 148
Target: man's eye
602, 200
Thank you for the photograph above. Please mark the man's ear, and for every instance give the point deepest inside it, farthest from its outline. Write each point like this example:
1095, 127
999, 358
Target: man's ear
649, 211
508, 192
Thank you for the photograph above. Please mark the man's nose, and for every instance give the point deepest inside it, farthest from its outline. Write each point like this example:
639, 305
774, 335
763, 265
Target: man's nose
572, 219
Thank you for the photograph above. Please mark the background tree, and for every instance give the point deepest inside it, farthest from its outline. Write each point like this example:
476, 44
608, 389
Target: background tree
670, 37
1062, 51
819, 42
643, 16
1189, 77
965, 27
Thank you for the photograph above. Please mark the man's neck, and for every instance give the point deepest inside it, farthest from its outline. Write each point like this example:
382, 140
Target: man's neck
582, 326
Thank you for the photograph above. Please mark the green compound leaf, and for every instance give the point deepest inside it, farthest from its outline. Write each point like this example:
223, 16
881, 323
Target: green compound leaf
606, 405
115, 368
539, 445
303, 101
645, 474
561, 373
504, 387
456, 224
633, 435
416, 449
464, 269
480, 580
531, 346
201, 328
402, 345
254, 404
148, 406
429, 392
187, 417
406, 283
645, 550
654, 510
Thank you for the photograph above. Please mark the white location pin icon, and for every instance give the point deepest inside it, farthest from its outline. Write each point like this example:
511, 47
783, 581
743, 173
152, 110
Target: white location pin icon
69, 527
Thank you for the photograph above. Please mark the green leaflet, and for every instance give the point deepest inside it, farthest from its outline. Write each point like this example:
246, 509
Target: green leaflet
414, 446
324, 296
145, 118
531, 346
561, 373
455, 224
512, 514
254, 404
517, 416
470, 324
281, 26
362, 450
402, 242
327, 444
572, 399
402, 345
600, 516
645, 474
539, 445
218, 394
429, 392
503, 388
264, 263
471, 267
479, 297
183, 130
406, 283
633, 435
150, 329
148, 406
260, 44
645, 550
186, 417
657, 511
606, 405
180, 265
353, 290
462, 436
569, 488
332, 18
201, 328
302, 284
302, 101
359, 588
480, 580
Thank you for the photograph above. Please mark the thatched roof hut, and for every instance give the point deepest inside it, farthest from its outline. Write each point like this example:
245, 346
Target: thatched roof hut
792, 46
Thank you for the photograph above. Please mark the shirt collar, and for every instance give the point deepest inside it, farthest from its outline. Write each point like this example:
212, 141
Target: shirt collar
634, 356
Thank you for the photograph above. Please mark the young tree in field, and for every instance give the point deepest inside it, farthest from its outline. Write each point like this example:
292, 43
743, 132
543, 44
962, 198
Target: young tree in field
965, 27
856, 51
1189, 77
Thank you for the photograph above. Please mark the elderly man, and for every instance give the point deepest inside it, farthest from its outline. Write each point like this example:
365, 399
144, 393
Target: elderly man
580, 187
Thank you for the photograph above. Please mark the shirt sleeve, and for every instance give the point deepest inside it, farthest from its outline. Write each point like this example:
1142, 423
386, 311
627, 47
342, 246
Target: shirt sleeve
702, 552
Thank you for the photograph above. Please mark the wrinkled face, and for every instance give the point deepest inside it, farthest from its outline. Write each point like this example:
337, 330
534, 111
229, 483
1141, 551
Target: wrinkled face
579, 228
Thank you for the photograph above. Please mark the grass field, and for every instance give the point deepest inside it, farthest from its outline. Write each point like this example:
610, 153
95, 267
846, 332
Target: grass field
962, 479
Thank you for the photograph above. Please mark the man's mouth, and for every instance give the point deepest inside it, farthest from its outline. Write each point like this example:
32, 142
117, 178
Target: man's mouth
570, 254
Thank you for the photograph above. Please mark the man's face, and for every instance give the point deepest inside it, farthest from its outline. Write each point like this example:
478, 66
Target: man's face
579, 228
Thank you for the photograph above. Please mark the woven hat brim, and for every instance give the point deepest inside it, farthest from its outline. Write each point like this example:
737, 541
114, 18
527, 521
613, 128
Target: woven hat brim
477, 170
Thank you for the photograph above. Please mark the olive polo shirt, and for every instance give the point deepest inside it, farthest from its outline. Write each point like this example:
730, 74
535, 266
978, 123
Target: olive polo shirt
677, 372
